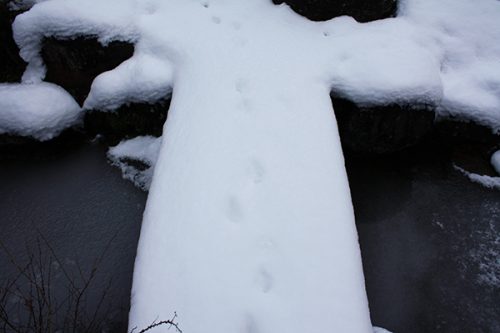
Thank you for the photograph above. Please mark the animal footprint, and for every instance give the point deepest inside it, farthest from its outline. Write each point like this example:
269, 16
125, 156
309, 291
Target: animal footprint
257, 171
240, 85
234, 210
265, 280
236, 25
251, 325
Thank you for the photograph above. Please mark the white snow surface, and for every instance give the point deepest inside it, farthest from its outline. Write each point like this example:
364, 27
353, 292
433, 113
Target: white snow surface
41, 110
495, 161
484, 180
380, 330
144, 149
249, 224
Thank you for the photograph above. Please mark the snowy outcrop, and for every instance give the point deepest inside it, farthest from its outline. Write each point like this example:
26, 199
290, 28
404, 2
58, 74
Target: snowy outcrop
495, 161
41, 111
425, 56
111, 20
136, 159
484, 180
464, 37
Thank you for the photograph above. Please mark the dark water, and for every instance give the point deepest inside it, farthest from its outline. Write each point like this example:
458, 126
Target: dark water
81, 206
430, 244
429, 237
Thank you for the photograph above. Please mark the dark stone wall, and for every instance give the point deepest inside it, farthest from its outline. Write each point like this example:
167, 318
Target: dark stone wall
471, 145
381, 129
74, 64
11, 65
128, 121
391, 129
361, 10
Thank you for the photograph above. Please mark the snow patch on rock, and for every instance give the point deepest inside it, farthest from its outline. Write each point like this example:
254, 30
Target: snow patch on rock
484, 180
126, 154
495, 161
143, 78
463, 35
108, 20
41, 111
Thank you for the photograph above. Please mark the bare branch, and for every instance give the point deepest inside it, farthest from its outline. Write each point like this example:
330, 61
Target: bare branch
170, 323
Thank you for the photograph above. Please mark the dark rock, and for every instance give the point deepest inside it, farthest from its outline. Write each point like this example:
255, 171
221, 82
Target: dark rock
471, 144
381, 129
136, 164
128, 121
457, 131
19, 147
361, 10
74, 64
11, 64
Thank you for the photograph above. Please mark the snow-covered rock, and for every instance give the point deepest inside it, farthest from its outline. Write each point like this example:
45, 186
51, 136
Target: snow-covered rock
484, 180
41, 110
495, 161
109, 20
128, 153
151, 83
74, 63
464, 37
427, 55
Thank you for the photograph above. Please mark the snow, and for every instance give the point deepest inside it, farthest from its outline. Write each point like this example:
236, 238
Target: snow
249, 224
382, 62
41, 111
380, 330
495, 161
440, 54
144, 149
484, 180
465, 37
109, 20
143, 78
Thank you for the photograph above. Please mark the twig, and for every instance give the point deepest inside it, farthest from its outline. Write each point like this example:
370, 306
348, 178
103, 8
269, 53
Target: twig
171, 323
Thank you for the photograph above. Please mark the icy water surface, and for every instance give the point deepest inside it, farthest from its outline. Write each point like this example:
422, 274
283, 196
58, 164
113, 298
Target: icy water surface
81, 206
429, 237
430, 245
